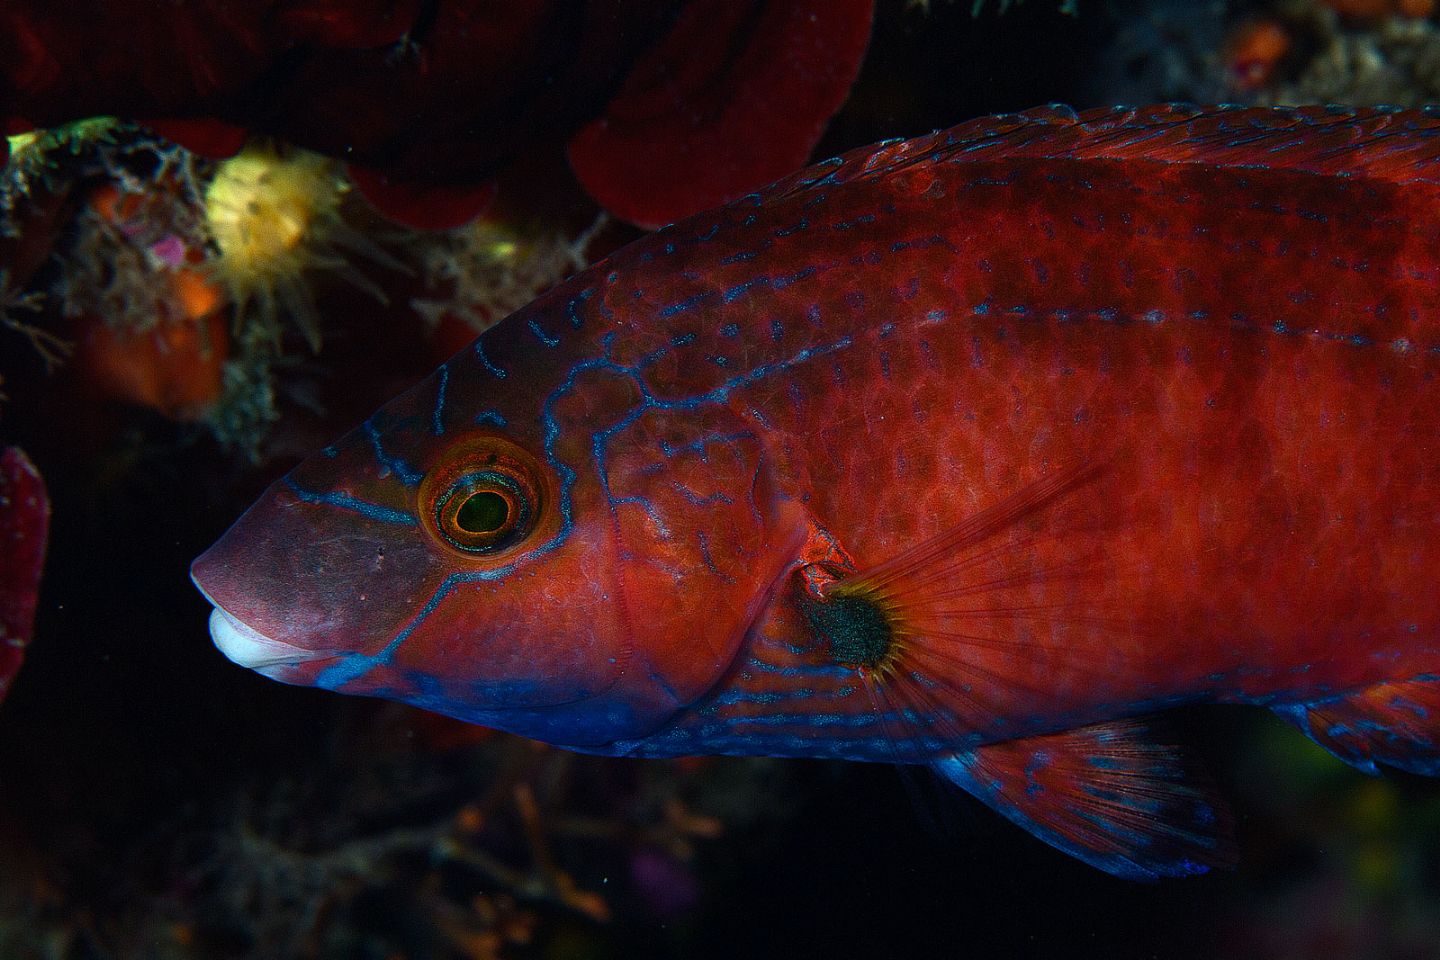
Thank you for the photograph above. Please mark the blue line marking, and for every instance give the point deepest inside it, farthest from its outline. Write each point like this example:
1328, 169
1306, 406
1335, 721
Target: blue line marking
710, 560
740, 289
491, 418
780, 283
770, 697
698, 446
572, 309
540, 334
403, 472
708, 500
843, 720
440, 401
343, 501
683, 305
800, 670
650, 511
857, 221
495, 371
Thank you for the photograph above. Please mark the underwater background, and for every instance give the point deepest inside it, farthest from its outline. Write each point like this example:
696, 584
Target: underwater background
172, 341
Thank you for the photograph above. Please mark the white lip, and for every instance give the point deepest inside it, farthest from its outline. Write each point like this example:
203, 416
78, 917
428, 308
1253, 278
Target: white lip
250, 648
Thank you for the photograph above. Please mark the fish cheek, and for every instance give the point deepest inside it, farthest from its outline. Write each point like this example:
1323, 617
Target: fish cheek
693, 501
542, 635
521, 618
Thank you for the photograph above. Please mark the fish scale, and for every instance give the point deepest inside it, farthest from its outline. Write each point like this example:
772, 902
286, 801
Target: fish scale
964, 450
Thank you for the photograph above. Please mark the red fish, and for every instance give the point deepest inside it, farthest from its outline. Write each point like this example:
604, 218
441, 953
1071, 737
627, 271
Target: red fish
971, 451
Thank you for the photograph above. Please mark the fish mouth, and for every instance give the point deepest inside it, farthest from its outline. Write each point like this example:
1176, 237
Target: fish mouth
248, 647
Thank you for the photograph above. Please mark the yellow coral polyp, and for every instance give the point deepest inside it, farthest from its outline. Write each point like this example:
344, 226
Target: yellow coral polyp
274, 216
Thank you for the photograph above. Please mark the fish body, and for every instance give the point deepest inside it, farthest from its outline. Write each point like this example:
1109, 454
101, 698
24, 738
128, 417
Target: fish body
963, 451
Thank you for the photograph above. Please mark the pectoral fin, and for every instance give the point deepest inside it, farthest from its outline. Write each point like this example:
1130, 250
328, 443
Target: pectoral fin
1113, 795
996, 617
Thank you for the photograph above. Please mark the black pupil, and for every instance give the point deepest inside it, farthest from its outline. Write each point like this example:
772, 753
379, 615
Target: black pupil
483, 512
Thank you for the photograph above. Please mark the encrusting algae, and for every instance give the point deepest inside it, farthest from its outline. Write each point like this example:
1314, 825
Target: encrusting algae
181, 279
478, 274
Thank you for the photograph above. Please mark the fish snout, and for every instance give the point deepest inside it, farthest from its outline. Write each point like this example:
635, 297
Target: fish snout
292, 584
241, 642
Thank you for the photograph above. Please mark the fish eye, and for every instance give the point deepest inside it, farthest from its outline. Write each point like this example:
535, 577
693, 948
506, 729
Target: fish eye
484, 497
483, 512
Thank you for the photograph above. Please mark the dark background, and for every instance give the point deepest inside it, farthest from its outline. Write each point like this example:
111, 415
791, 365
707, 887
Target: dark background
140, 772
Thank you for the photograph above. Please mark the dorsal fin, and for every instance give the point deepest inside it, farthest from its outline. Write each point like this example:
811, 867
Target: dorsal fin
1362, 142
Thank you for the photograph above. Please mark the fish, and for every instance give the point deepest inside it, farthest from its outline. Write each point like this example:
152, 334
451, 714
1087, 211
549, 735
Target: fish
977, 451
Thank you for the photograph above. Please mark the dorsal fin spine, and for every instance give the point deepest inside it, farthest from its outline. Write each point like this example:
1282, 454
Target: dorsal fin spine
1360, 142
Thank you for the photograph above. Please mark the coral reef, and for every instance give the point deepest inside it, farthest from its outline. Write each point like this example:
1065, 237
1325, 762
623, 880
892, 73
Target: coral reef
1371, 845
1276, 52
1390, 59
184, 281
978, 7
445, 95
694, 124
480, 273
14, 306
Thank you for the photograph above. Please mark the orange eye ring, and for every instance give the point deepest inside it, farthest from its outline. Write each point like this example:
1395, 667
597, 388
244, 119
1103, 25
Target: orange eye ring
484, 498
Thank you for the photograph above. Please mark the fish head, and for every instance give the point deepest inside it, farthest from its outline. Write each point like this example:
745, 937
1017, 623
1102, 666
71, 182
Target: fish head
530, 539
